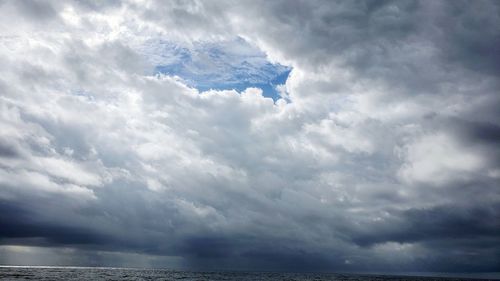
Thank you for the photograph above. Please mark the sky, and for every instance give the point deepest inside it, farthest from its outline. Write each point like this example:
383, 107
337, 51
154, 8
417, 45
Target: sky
344, 136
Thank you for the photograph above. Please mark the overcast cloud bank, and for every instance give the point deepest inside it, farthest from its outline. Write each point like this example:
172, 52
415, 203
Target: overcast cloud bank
382, 153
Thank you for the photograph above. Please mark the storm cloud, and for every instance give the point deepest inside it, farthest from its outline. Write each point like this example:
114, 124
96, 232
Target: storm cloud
380, 151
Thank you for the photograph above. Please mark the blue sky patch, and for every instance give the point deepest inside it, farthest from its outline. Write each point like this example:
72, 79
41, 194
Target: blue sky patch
220, 65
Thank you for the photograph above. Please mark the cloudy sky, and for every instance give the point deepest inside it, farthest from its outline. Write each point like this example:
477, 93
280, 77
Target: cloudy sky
266, 135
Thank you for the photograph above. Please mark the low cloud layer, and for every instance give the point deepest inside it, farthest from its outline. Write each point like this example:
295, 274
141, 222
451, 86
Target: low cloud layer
380, 153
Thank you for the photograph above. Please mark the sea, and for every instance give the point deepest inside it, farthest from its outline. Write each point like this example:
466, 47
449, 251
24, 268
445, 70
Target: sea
103, 273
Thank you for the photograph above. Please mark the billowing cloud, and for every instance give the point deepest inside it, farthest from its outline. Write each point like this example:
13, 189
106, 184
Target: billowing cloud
380, 152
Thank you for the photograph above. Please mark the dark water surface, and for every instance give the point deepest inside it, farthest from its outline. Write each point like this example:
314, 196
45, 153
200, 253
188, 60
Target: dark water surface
81, 273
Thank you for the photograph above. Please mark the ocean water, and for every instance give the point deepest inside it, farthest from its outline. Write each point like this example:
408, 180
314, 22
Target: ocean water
80, 273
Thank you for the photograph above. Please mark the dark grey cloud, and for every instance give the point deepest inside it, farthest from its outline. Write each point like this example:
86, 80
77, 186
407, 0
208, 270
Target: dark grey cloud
21, 225
439, 223
484, 132
36, 9
8, 149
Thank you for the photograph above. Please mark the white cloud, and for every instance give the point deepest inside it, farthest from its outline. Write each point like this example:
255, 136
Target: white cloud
438, 159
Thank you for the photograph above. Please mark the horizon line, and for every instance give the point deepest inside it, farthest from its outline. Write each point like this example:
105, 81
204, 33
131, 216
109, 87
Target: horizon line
489, 275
